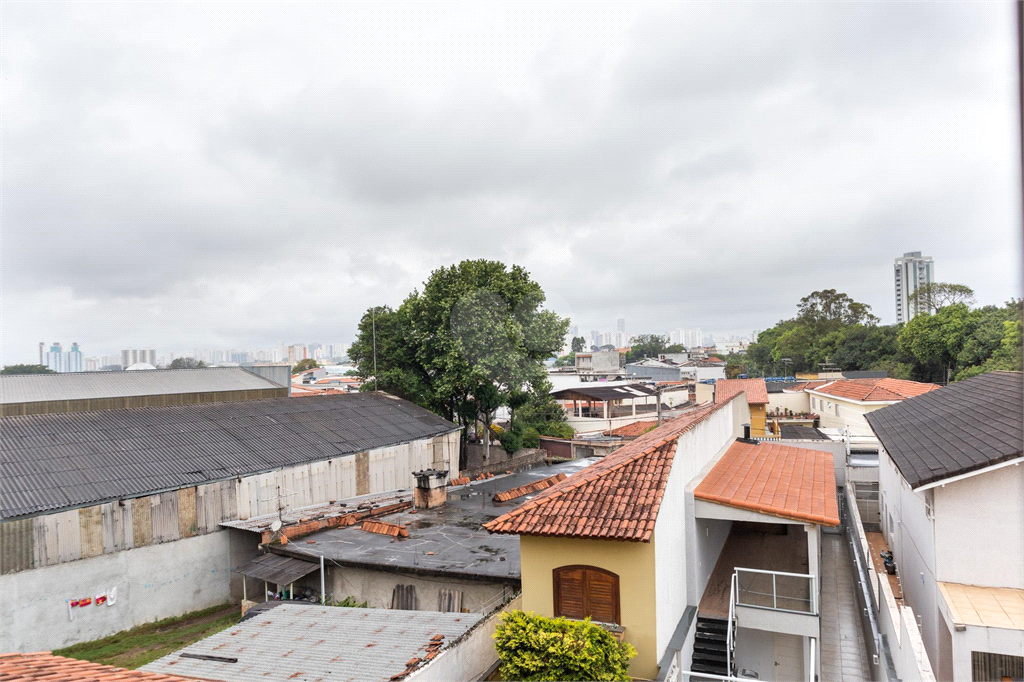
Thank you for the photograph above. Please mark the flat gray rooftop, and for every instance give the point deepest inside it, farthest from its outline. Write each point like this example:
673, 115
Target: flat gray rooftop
446, 540
313, 642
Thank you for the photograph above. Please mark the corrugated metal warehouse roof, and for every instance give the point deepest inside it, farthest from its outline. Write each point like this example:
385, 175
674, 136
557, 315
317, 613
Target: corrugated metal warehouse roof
57, 461
30, 388
276, 569
296, 641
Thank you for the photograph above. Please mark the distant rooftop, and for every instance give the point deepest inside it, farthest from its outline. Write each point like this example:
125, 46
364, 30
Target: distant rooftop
313, 642
28, 388
874, 390
727, 389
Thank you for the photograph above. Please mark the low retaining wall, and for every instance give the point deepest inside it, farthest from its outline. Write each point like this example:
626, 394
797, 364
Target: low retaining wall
471, 657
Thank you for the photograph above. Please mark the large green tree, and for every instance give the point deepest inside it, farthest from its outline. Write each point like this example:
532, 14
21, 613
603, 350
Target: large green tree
26, 369
932, 297
476, 336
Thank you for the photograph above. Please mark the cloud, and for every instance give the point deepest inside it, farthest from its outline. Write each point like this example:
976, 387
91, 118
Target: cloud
189, 175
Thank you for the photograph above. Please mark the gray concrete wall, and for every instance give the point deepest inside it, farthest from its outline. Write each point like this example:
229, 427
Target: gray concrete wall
159, 581
376, 587
471, 657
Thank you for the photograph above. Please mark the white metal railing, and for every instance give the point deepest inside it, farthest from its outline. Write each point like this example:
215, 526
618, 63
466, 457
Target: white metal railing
728, 625
776, 590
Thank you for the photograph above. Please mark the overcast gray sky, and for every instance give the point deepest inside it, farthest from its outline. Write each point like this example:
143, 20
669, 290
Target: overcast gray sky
232, 174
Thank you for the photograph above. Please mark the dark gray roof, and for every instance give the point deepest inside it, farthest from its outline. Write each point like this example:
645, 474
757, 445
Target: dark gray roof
598, 392
801, 432
866, 374
30, 388
453, 534
277, 569
57, 461
960, 428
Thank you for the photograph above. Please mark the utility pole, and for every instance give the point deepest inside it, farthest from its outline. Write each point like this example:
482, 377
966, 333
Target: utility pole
373, 323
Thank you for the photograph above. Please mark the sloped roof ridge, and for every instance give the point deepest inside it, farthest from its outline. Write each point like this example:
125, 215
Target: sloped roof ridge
651, 442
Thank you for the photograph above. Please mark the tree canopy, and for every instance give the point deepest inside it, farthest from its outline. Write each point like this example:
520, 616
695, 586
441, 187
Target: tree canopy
475, 339
304, 365
26, 369
186, 363
832, 330
932, 297
578, 343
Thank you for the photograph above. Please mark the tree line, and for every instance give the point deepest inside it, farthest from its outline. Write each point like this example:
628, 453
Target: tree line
948, 340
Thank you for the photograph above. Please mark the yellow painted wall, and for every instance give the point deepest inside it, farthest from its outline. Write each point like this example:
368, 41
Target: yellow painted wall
757, 419
633, 562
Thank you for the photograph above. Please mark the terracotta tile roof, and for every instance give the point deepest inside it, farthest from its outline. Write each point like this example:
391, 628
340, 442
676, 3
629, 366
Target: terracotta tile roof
808, 385
633, 430
534, 487
615, 499
727, 389
385, 528
778, 480
875, 389
45, 666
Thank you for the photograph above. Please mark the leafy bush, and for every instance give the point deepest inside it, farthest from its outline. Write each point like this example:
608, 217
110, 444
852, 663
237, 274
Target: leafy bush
531, 438
511, 439
533, 647
556, 430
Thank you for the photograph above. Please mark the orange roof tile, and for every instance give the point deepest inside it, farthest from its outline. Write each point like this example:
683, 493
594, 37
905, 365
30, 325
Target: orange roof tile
529, 488
727, 389
385, 528
807, 385
778, 480
615, 499
875, 389
633, 430
45, 666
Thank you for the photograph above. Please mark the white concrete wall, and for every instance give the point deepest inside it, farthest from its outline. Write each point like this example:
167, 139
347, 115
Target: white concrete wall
837, 413
694, 451
912, 541
376, 588
979, 529
159, 581
704, 393
775, 656
797, 401
470, 657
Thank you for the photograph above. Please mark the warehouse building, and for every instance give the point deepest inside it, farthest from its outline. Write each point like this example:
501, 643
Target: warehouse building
22, 394
111, 518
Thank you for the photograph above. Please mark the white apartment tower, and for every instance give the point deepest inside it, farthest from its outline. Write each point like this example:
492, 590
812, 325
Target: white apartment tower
130, 356
911, 271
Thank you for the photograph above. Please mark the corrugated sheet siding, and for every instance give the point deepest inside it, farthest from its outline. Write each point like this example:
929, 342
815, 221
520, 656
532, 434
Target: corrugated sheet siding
164, 517
16, 546
92, 404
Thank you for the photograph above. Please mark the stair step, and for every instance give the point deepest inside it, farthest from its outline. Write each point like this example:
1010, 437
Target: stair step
711, 637
710, 647
712, 669
710, 657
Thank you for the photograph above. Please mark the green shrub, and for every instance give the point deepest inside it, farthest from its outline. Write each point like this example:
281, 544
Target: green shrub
532, 647
556, 430
531, 439
511, 439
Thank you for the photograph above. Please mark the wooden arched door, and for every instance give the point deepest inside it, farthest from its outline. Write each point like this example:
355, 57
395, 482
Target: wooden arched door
582, 591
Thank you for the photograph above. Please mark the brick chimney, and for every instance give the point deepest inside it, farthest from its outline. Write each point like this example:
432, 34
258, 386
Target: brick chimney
431, 488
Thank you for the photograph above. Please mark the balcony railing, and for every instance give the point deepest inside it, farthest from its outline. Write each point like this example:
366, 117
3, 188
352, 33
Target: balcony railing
791, 592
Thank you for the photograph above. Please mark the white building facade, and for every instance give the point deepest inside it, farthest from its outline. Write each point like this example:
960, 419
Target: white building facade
910, 272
